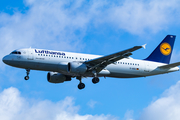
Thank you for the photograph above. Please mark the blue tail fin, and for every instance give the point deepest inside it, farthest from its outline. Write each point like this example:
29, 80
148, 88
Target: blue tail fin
163, 51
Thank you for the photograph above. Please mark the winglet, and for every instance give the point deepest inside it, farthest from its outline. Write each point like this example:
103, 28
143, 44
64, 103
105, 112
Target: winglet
144, 46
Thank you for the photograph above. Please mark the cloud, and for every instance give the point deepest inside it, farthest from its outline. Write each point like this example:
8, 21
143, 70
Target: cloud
167, 107
63, 24
16, 107
141, 16
128, 115
46, 24
52, 22
92, 103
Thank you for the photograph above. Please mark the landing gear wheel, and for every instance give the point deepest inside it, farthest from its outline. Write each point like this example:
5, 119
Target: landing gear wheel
81, 86
26, 77
95, 80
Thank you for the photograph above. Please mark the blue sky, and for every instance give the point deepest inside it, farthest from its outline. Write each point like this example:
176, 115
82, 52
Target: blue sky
93, 27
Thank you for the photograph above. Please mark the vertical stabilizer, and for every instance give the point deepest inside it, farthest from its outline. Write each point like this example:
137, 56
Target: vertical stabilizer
163, 51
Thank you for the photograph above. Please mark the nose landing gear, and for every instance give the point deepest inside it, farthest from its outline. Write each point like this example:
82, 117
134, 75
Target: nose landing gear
27, 76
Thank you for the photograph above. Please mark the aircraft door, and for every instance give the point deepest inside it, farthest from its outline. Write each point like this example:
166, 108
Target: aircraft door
147, 67
30, 54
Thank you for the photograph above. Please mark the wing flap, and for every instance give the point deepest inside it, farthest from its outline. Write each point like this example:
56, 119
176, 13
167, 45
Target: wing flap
170, 65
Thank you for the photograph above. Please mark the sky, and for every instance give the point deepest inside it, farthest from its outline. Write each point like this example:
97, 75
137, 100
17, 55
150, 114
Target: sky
99, 27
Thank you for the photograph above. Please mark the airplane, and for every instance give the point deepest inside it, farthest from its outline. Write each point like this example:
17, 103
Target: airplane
63, 66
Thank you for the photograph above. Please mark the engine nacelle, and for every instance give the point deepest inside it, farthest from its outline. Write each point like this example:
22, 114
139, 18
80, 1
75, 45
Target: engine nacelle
76, 68
55, 77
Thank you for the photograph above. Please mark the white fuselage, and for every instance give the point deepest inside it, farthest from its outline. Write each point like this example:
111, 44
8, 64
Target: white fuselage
56, 61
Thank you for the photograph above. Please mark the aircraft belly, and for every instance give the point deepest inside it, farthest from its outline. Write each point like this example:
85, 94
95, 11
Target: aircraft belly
124, 75
124, 71
35, 65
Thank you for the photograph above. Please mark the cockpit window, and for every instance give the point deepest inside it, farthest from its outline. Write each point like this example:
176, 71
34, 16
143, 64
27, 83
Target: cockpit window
16, 52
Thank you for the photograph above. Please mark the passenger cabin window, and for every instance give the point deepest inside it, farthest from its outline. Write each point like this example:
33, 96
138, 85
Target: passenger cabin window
16, 52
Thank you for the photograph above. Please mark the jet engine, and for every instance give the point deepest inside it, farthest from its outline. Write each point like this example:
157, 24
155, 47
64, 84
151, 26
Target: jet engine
77, 67
55, 77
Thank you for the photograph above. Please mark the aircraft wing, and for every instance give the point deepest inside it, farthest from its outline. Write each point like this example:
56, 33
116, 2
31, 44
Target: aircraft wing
170, 65
100, 63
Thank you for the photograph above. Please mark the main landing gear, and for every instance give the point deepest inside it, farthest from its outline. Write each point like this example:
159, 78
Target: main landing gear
82, 85
95, 80
27, 76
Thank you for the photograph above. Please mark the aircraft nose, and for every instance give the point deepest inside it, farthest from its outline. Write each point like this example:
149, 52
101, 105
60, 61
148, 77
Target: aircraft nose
5, 59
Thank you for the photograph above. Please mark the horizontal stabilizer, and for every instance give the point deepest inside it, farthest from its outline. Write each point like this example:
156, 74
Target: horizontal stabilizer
170, 65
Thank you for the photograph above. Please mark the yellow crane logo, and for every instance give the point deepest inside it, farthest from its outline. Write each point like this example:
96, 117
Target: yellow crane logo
165, 49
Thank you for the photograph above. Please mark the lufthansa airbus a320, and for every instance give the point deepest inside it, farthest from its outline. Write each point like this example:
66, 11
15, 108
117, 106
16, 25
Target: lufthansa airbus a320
63, 66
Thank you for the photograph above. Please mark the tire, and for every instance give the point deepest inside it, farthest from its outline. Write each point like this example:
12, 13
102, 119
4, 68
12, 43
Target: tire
95, 80
81, 86
26, 77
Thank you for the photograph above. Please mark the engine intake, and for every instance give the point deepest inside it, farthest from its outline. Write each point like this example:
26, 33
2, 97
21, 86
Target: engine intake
55, 77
